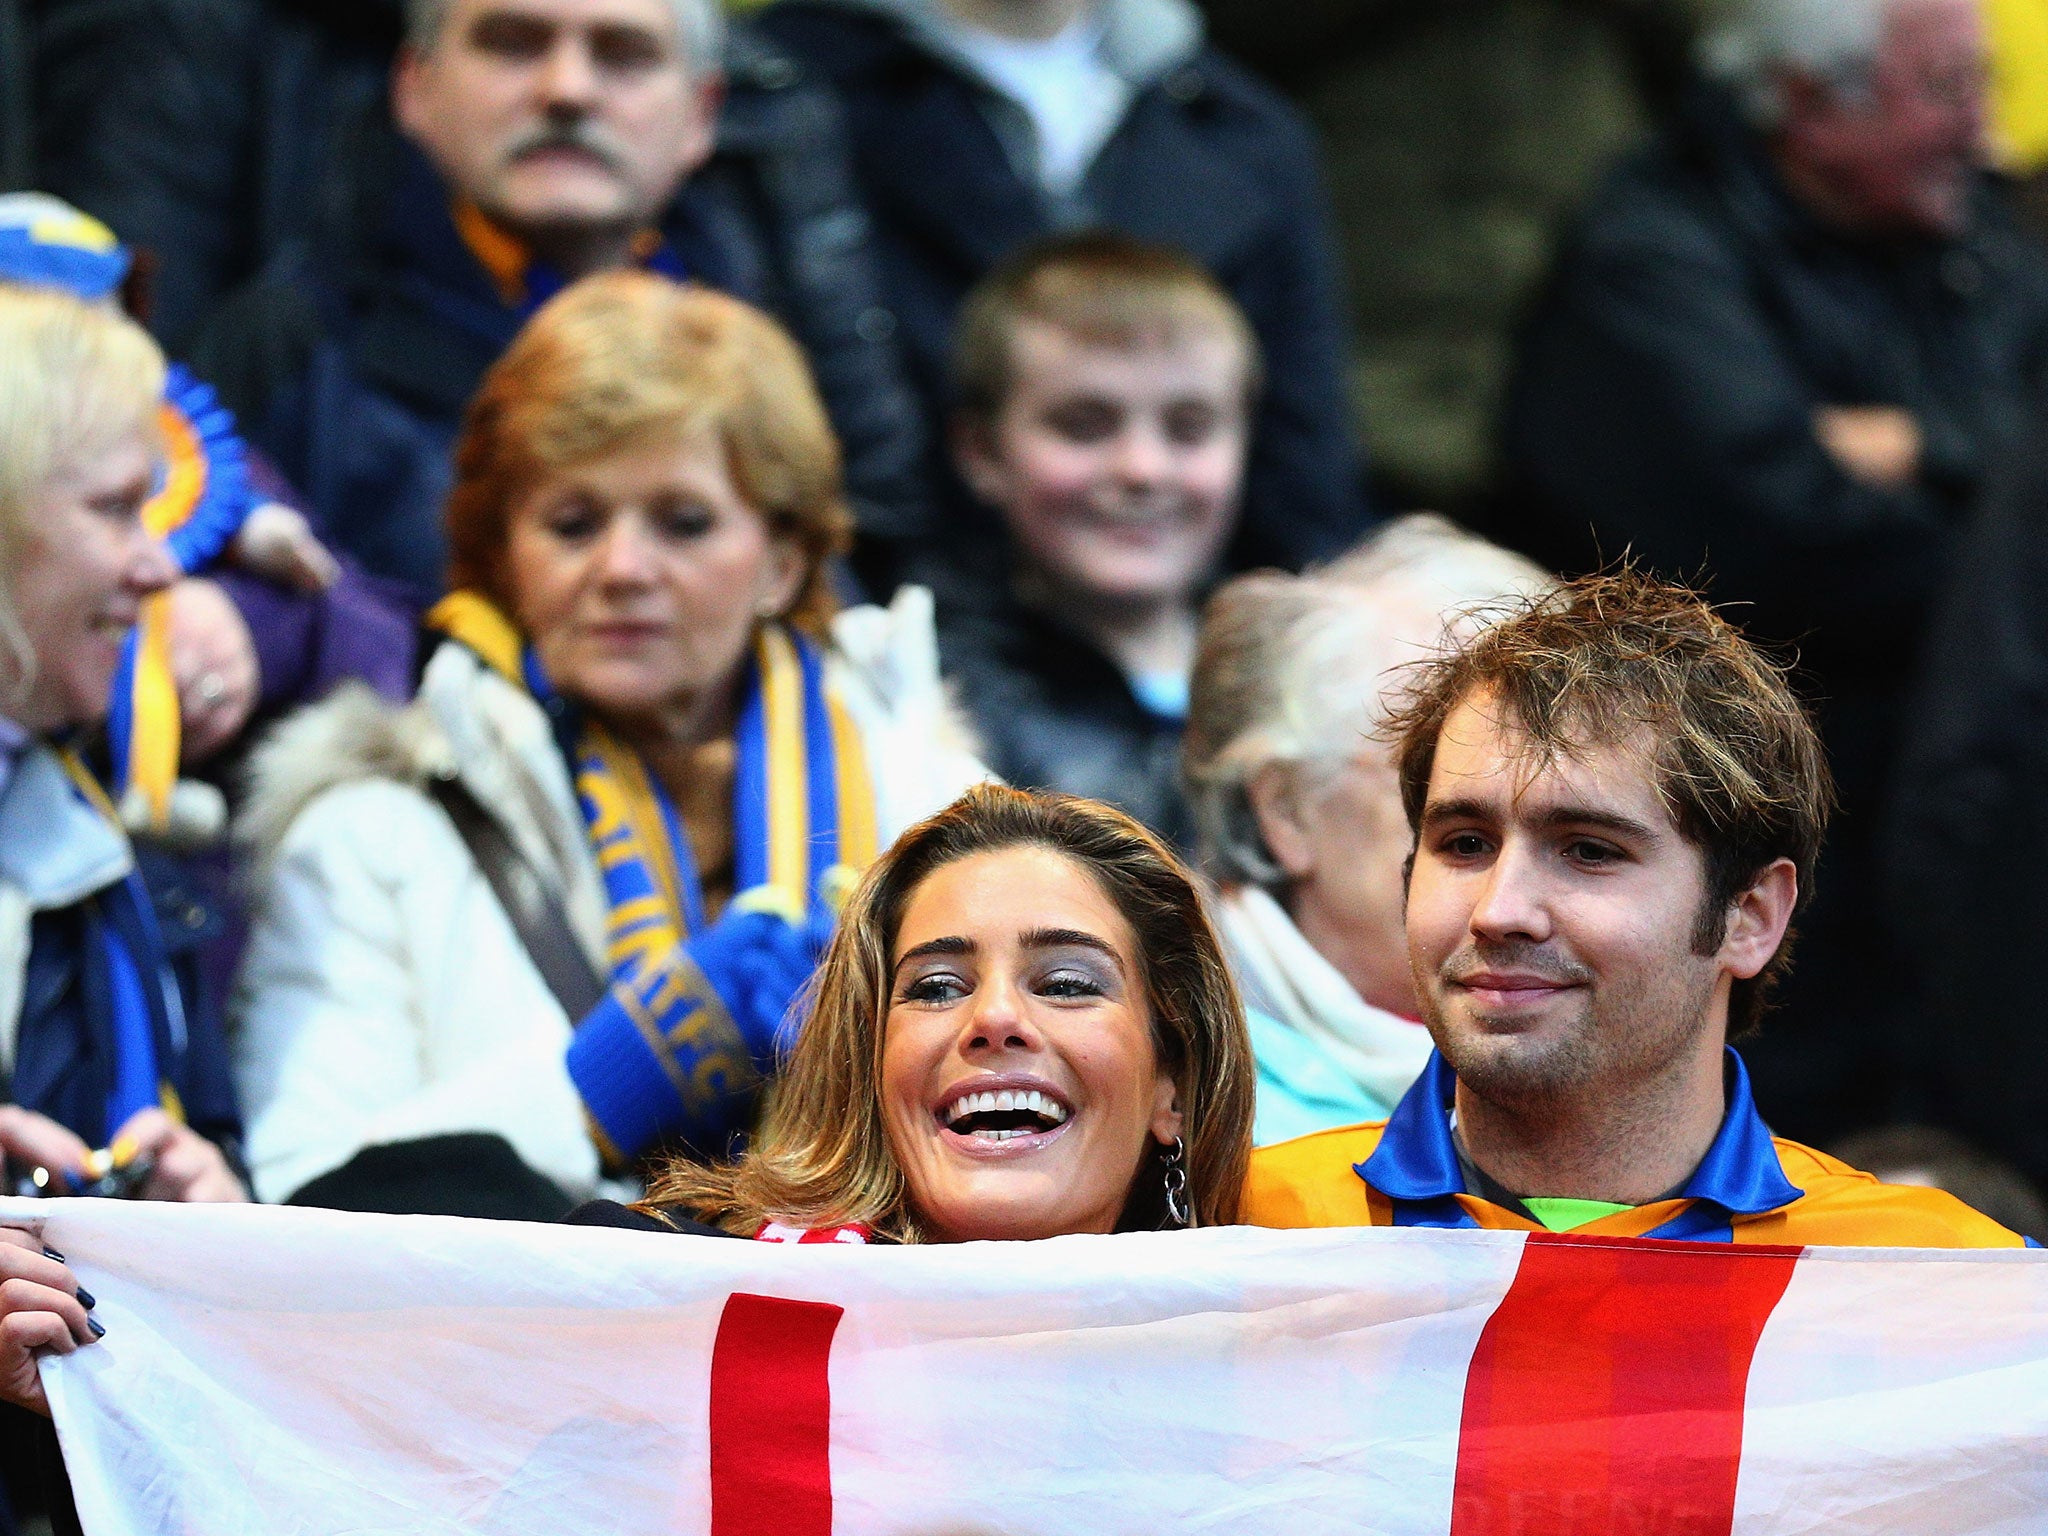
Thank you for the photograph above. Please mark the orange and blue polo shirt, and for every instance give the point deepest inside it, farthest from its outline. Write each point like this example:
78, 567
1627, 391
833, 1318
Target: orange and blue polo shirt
1751, 1187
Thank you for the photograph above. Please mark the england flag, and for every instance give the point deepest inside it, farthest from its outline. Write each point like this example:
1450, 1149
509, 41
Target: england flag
272, 1372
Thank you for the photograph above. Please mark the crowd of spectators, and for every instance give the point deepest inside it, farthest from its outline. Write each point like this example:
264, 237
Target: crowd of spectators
621, 463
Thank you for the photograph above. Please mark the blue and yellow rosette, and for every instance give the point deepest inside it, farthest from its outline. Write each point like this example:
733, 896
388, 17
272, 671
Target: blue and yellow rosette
202, 499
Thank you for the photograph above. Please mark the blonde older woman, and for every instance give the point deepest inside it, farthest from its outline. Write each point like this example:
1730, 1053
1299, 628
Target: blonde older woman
551, 915
1299, 807
105, 1042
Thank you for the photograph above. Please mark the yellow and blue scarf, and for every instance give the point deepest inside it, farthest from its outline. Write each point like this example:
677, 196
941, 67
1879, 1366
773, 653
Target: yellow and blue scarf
804, 824
803, 811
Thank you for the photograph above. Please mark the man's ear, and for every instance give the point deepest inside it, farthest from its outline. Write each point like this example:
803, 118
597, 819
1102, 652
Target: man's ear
979, 459
1274, 796
408, 106
1758, 920
707, 102
1166, 1115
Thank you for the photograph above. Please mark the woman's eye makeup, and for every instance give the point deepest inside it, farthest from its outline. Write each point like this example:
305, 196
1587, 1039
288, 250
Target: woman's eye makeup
1074, 973
1069, 976
932, 987
1069, 982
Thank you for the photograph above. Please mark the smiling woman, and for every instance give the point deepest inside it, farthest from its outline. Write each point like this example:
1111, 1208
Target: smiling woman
108, 1039
1023, 1029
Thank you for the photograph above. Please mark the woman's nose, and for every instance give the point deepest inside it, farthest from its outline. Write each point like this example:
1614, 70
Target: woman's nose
623, 555
152, 567
999, 1021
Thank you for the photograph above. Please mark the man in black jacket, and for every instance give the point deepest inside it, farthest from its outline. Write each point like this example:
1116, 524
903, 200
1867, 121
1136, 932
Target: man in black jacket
1968, 832
543, 139
980, 126
1781, 349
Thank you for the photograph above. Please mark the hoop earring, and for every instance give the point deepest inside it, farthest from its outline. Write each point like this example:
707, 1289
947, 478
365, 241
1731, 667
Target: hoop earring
1174, 1180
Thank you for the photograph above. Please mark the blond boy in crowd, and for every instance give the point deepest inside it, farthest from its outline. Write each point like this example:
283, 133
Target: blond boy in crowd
1105, 395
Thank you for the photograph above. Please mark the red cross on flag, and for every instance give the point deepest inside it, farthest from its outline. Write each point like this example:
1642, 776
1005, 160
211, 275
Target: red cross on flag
295, 1371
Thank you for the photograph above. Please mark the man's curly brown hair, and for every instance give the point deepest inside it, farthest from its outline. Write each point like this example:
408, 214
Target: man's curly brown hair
1622, 657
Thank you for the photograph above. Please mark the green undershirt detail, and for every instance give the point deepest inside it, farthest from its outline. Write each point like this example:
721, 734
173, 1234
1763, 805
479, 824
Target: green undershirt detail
1559, 1215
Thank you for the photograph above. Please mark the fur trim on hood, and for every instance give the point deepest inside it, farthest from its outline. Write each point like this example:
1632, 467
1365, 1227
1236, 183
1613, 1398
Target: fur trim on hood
353, 734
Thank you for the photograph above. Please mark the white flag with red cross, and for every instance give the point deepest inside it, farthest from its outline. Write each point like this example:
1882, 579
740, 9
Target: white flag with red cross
273, 1371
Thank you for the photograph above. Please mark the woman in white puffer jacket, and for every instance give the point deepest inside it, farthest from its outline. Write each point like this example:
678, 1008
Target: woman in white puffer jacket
644, 729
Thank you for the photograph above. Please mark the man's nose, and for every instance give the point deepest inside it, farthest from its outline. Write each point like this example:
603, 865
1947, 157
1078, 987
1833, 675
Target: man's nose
1512, 900
568, 76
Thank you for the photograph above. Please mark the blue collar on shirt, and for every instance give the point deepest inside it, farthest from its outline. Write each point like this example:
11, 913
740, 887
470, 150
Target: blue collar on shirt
1418, 1161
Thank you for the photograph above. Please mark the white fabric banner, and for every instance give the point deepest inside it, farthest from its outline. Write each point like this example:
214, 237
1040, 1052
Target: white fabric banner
271, 1371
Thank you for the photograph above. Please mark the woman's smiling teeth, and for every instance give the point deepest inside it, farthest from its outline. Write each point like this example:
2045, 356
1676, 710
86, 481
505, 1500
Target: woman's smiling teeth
1004, 1114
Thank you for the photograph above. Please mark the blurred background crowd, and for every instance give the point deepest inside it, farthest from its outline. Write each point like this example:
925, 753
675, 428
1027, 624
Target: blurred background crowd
1090, 362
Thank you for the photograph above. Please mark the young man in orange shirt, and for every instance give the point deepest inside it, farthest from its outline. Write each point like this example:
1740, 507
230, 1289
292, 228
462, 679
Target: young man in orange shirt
1618, 805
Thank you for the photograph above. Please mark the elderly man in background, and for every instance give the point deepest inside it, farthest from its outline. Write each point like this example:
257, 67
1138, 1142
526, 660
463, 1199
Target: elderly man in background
542, 140
1781, 349
1299, 807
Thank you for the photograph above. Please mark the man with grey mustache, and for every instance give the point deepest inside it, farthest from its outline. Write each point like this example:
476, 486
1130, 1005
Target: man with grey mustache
531, 143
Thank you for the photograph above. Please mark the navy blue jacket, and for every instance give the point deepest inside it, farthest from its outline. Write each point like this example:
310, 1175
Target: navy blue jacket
211, 154
1053, 712
350, 360
63, 1065
1206, 160
17, 121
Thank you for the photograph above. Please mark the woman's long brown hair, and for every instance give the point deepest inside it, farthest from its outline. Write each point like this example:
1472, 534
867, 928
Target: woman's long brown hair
822, 1157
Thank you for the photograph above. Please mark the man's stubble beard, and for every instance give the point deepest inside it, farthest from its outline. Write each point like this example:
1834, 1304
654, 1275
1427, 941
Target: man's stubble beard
1617, 1039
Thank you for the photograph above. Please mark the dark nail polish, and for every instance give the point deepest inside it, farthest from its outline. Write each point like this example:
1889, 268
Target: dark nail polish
85, 1299
51, 1253
99, 1329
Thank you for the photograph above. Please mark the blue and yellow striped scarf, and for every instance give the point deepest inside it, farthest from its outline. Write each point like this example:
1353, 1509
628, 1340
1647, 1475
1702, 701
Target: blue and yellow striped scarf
144, 1003
662, 1056
803, 807
803, 810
